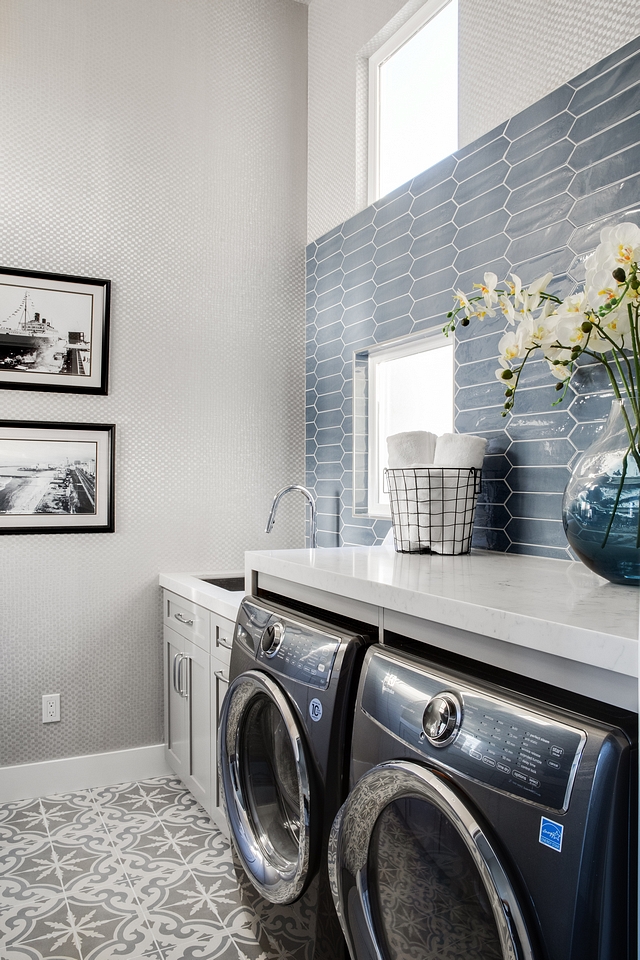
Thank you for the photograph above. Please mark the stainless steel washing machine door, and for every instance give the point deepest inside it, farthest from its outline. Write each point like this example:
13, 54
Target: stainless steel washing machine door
414, 875
265, 786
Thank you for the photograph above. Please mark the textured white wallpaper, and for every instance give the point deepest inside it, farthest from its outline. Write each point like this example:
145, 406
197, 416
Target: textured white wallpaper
338, 32
511, 54
161, 145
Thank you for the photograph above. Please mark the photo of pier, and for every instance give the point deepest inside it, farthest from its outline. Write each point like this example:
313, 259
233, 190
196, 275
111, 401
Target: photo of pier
47, 477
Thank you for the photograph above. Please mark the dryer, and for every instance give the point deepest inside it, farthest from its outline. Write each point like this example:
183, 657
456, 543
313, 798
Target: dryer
482, 824
283, 767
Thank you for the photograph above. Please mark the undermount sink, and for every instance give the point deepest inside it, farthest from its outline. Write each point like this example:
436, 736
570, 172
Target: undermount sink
233, 584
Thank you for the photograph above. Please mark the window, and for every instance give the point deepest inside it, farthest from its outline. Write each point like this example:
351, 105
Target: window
413, 98
406, 385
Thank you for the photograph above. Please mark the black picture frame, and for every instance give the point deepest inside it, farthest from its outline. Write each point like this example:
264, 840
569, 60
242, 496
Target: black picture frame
66, 348
56, 477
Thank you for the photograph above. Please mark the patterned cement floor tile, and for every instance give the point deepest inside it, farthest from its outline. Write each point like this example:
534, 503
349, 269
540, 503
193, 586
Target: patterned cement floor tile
137, 870
21, 819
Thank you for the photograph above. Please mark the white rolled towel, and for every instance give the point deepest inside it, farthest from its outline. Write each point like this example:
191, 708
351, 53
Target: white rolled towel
410, 449
460, 450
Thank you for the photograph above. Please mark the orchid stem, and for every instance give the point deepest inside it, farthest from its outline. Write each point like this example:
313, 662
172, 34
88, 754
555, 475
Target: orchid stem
617, 500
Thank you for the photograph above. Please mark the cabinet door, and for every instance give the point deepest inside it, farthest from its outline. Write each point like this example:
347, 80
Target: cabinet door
219, 685
176, 725
198, 773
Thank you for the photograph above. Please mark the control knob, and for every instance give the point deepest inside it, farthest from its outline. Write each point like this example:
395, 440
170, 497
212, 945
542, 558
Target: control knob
442, 718
272, 638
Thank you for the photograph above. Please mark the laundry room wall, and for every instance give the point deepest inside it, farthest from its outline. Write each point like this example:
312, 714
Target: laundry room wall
529, 194
161, 145
528, 197
510, 55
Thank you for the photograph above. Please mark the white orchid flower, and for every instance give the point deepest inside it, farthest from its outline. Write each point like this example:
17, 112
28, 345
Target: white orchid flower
600, 320
570, 334
488, 291
559, 370
575, 303
615, 325
515, 287
619, 249
510, 347
601, 288
539, 331
539, 285
507, 308
621, 244
548, 313
463, 300
531, 296
570, 315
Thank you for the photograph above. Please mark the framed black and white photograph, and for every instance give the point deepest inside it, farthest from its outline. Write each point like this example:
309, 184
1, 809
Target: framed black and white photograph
54, 332
56, 477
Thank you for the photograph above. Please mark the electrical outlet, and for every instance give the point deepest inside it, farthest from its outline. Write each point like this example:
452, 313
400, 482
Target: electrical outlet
50, 707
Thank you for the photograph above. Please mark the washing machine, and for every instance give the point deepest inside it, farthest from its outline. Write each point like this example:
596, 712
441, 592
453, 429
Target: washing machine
283, 759
482, 824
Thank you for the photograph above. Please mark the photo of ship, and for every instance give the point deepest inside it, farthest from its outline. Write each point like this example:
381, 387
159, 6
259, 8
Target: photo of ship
30, 341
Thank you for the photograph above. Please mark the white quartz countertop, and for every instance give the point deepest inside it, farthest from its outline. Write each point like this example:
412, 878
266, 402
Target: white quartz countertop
192, 587
554, 606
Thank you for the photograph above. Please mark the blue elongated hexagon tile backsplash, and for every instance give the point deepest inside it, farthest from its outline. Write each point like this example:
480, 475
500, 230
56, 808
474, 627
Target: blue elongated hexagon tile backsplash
529, 197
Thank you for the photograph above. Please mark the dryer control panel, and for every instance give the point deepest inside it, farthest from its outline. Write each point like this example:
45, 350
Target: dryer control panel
299, 652
460, 727
290, 647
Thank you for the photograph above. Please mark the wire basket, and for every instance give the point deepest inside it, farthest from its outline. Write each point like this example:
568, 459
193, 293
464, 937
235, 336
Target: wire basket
433, 508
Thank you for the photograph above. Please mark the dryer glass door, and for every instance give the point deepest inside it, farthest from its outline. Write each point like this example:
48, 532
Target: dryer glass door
414, 874
265, 786
426, 894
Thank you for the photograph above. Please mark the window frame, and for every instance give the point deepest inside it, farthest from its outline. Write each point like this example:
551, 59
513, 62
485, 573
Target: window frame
412, 26
365, 361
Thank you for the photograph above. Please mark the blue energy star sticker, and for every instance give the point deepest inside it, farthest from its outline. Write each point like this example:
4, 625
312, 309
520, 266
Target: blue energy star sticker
551, 834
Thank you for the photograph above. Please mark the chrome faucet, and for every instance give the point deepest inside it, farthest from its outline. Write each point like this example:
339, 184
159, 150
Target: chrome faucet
312, 506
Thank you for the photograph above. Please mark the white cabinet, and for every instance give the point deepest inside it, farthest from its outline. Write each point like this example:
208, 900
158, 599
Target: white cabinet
188, 713
197, 648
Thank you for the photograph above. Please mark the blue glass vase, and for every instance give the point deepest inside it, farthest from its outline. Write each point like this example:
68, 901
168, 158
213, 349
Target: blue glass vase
601, 504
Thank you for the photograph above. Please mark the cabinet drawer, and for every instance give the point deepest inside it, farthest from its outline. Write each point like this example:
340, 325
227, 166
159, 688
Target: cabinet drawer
221, 636
187, 619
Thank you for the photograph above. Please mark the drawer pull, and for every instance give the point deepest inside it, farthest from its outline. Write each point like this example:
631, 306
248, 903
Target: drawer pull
181, 619
227, 646
221, 675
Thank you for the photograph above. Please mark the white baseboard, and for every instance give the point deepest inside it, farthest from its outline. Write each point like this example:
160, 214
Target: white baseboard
28, 780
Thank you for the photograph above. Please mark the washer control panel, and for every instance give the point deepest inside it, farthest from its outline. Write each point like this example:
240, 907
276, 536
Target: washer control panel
461, 727
299, 652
